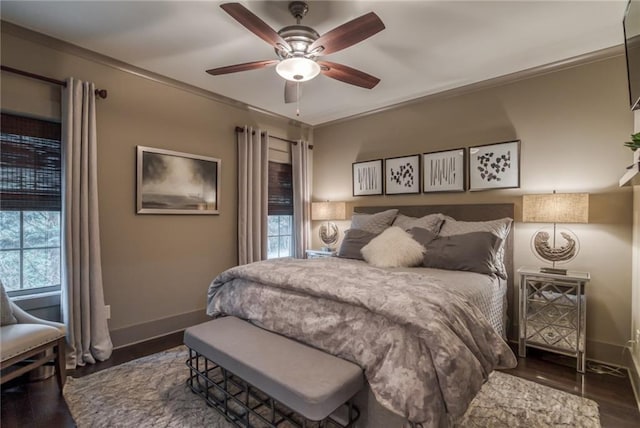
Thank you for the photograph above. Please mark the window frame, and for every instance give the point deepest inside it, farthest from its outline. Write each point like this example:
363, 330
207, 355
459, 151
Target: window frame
26, 127
290, 236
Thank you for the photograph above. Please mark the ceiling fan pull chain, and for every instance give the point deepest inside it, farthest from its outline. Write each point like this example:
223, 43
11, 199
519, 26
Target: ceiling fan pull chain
298, 99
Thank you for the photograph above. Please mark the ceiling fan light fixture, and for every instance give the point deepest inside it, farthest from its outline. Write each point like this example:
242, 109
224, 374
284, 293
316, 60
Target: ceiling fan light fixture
298, 69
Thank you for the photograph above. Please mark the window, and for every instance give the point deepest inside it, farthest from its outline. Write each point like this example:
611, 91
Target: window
30, 204
280, 219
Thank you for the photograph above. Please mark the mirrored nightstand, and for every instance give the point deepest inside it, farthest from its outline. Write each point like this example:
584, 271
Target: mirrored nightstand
553, 311
314, 254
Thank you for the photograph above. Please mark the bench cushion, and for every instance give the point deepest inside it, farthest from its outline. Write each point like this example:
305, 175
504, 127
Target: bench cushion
310, 382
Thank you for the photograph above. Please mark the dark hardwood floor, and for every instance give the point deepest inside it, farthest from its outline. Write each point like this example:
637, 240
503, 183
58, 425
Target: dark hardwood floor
38, 404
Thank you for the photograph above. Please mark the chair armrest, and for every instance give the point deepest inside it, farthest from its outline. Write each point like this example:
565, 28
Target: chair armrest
24, 317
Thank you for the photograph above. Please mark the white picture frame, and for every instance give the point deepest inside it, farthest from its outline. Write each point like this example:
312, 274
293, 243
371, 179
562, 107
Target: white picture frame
494, 166
444, 171
367, 178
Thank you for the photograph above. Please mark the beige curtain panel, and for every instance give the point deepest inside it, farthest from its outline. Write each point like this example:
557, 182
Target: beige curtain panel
82, 295
253, 192
302, 162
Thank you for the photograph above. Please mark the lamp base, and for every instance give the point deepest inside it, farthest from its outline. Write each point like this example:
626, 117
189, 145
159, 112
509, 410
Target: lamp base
553, 270
328, 233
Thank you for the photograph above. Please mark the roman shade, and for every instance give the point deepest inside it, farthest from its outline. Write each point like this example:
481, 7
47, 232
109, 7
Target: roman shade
30, 157
280, 189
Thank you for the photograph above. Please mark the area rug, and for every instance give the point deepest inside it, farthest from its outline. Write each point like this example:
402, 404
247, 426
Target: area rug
151, 392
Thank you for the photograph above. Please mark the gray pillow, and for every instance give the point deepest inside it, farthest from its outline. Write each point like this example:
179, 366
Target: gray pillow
352, 243
373, 223
499, 227
422, 235
432, 222
6, 313
474, 252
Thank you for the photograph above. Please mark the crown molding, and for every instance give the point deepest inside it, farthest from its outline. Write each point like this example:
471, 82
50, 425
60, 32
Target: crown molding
576, 61
69, 48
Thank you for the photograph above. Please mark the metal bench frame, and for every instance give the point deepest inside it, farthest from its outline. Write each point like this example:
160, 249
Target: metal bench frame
244, 405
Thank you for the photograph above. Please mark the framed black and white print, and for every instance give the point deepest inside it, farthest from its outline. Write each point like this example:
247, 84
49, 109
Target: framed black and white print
494, 166
169, 182
367, 178
444, 171
402, 175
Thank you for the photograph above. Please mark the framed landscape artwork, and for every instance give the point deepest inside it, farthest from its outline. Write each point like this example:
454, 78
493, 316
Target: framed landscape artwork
494, 166
367, 178
444, 171
402, 175
169, 182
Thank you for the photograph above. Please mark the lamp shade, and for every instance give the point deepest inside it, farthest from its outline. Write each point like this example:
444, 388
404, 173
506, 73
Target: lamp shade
328, 211
556, 208
298, 69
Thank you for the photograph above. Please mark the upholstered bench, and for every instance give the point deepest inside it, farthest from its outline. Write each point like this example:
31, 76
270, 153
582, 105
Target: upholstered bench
229, 358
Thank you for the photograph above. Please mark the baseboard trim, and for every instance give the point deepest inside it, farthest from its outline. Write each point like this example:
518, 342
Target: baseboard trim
606, 353
131, 335
601, 352
634, 376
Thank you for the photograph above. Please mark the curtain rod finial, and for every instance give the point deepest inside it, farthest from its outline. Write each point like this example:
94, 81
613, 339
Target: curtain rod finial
101, 93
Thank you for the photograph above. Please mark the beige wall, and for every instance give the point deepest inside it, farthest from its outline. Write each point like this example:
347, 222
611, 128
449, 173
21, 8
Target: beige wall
571, 123
156, 268
635, 305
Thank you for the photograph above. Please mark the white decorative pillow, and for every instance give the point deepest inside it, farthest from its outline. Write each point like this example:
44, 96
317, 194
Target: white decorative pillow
393, 248
6, 313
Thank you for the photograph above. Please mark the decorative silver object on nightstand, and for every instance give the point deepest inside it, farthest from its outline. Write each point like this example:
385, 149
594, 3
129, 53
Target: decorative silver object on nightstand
553, 311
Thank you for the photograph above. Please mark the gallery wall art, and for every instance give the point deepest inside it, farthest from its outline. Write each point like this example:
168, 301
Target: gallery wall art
402, 175
367, 178
444, 171
494, 166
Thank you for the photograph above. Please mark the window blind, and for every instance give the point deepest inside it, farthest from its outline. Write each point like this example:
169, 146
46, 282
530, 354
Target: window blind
30, 164
280, 189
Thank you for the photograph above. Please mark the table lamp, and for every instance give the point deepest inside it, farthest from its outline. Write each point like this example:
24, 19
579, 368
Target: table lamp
555, 208
328, 211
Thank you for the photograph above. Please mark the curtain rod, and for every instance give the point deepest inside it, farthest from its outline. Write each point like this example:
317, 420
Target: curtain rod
100, 93
239, 129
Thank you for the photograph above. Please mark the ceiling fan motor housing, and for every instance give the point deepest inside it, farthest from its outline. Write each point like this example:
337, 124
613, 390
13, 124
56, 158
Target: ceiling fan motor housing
299, 38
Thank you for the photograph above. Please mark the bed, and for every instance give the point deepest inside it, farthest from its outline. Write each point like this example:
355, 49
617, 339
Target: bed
425, 347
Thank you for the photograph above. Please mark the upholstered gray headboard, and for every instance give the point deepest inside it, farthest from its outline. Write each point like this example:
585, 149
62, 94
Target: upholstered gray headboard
469, 212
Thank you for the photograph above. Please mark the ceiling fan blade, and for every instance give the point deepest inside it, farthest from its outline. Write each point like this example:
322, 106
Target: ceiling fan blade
254, 24
347, 74
348, 34
292, 92
242, 67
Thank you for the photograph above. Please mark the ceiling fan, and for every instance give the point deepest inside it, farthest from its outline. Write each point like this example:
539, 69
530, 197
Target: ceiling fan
298, 48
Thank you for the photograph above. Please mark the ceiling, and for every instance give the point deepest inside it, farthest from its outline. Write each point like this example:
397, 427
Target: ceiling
426, 48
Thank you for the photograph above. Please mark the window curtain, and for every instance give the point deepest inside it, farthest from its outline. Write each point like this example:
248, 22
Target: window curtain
83, 308
253, 192
302, 162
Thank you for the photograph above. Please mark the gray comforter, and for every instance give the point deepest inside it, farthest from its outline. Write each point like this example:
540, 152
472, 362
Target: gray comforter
425, 350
